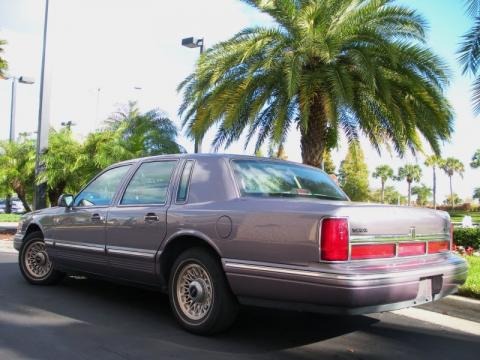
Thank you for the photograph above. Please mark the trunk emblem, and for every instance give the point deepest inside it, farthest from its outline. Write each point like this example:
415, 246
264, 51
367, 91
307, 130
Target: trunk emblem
412, 232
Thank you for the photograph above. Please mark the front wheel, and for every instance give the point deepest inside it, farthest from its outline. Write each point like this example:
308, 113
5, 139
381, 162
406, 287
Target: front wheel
35, 264
199, 294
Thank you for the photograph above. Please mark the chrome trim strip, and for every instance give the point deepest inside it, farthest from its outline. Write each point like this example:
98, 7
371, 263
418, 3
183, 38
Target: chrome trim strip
94, 248
403, 237
49, 242
135, 253
359, 277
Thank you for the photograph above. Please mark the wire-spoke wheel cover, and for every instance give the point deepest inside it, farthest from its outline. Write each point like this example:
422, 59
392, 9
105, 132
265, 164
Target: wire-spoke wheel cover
194, 291
36, 260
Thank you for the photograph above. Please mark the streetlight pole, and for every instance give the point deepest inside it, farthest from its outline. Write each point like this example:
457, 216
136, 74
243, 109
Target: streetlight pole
40, 200
192, 42
13, 103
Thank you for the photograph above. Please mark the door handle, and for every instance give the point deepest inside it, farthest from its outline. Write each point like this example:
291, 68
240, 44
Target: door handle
96, 218
150, 217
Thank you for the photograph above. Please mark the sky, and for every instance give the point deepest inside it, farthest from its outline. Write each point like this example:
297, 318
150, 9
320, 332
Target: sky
104, 53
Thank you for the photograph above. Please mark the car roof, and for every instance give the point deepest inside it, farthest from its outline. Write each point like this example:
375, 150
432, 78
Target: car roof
197, 156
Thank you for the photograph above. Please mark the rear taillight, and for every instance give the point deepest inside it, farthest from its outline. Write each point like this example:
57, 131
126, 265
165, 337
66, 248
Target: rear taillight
334, 239
372, 251
438, 246
411, 249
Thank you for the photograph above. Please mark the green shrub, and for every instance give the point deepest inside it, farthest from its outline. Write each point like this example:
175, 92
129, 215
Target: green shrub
467, 237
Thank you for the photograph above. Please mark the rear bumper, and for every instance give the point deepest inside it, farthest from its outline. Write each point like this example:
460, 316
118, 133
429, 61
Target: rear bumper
350, 288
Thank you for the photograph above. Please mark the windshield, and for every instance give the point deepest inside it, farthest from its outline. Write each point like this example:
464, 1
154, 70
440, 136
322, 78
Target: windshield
275, 178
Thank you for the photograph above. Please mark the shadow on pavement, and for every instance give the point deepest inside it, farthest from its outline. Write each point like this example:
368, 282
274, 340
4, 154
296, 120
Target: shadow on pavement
87, 318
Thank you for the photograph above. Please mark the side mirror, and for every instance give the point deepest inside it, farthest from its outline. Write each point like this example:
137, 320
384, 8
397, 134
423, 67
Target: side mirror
65, 200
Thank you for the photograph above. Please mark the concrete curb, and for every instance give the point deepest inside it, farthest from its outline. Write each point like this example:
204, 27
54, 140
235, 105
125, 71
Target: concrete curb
8, 226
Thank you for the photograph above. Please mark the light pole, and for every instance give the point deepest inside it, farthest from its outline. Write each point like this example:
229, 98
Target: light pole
15, 79
191, 43
40, 199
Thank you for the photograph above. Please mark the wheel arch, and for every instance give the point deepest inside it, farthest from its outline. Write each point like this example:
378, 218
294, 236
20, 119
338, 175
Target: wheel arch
178, 243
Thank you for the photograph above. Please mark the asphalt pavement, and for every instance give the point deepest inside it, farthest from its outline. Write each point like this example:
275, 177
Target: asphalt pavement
92, 319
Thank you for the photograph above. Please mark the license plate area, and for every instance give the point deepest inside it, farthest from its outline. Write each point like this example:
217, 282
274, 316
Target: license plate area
427, 288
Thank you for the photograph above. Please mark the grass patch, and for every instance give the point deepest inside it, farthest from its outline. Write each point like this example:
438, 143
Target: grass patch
471, 288
457, 215
9, 217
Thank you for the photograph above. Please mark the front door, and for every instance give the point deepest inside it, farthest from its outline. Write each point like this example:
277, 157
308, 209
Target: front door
137, 225
79, 232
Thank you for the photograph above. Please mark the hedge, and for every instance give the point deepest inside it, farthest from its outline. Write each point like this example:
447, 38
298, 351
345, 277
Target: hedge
467, 237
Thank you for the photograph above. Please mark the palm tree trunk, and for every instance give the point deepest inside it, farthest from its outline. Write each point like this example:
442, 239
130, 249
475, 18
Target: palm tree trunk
23, 198
383, 192
451, 192
313, 138
409, 192
434, 189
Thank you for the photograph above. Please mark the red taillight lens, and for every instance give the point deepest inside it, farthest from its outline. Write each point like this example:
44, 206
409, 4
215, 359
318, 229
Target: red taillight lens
411, 249
438, 246
334, 240
372, 251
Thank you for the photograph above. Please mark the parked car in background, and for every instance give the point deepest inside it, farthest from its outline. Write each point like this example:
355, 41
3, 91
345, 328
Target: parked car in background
17, 206
215, 230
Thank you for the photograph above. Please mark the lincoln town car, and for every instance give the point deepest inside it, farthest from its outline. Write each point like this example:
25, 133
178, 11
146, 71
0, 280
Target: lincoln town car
215, 231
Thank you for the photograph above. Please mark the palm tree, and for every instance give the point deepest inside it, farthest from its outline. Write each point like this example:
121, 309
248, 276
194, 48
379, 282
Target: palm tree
469, 53
411, 173
423, 193
17, 168
434, 161
384, 172
451, 166
3, 62
326, 67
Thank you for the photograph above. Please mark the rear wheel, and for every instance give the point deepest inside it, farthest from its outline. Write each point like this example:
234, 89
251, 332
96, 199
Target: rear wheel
35, 264
199, 294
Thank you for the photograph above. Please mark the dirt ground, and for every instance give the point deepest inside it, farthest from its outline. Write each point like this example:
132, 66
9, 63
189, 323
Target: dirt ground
5, 236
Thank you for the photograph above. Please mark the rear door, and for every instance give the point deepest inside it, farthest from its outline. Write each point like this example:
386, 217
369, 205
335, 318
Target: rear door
136, 225
79, 232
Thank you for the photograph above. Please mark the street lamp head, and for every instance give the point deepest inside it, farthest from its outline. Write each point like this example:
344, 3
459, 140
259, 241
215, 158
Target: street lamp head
192, 42
26, 80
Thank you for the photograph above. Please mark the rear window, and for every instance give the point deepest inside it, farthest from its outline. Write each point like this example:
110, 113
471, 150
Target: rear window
282, 179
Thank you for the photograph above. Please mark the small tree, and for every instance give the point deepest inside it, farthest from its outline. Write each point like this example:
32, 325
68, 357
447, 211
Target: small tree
475, 163
434, 162
3, 62
391, 196
476, 193
451, 166
411, 173
453, 200
17, 168
384, 172
328, 164
61, 164
353, 174
423, 193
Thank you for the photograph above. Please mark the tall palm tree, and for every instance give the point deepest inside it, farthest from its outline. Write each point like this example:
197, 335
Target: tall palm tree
411, 173
3, 62
384, 172
451, 166
469, 53
325, 67
434, 162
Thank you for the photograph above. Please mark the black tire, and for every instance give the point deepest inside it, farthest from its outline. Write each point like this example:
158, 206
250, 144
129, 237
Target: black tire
33, 242
223, 308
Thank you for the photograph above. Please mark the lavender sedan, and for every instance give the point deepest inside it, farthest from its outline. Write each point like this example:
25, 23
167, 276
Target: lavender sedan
214, 231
